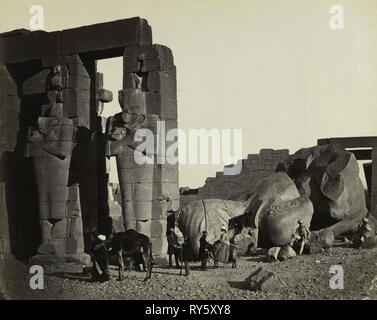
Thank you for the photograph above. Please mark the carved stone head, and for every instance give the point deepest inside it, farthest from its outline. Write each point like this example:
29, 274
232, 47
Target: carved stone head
132, 101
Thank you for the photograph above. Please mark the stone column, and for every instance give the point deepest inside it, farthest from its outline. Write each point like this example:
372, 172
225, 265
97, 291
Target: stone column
9, 125
143, 185
58, 138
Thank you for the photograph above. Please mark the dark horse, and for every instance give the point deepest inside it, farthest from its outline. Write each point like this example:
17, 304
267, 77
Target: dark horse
129, 243
132, 242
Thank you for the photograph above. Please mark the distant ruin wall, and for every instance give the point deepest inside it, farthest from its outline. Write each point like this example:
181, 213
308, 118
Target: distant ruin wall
254, 168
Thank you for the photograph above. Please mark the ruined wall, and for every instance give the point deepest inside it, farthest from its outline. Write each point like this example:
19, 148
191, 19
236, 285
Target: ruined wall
254, 168
27, 61
9, 125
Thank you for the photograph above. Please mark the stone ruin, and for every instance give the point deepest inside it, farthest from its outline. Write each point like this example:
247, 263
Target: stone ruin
55, 145
319, 185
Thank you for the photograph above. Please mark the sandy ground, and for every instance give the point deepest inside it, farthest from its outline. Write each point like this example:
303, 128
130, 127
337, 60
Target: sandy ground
306, 277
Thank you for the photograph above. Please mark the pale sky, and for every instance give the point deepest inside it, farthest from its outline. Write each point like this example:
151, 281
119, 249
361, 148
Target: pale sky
274, 69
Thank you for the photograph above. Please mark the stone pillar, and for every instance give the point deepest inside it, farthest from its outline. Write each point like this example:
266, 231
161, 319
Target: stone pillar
151, 67
56, 145
109, 210
77, 106
9, 125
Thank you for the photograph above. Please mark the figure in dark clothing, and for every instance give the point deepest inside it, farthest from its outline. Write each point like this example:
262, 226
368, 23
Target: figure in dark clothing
204, 250
100, 259
364, 231
173, 248
185, 256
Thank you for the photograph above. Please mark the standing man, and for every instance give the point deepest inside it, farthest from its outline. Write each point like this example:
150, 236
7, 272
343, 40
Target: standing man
100, 259
173, 248
301, 235
364, 231
203, 250
185, 256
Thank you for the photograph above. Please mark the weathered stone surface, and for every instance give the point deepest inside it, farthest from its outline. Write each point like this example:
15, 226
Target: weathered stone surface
75, 95
77, 69
5, 246
209, 215
146, 210
29, 47
158, 65
163, 82
59, 229
78, 82
74, 228
166, 106
74, 245
131, 65
148, 52
46, 228
104, 95
151, 228
263, 280
273, 253
159, 245
286, 252
132, 101
96, 37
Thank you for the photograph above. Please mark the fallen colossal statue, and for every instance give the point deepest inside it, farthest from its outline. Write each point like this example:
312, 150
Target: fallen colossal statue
207, 215
329, 176
319, 185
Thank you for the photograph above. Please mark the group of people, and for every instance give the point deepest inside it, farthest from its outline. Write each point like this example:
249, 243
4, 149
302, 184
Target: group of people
181, 252
178, 246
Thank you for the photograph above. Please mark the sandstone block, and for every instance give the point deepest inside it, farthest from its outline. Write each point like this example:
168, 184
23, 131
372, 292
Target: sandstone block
166, 106
273, 253
286, 252
75, 229
129, 80
78, 82
5, 246
158, 65
104, 95
77, 69
163, 82
159, 245
263, 280
59, 229
131, 65
46, 228
74, 245
152, 228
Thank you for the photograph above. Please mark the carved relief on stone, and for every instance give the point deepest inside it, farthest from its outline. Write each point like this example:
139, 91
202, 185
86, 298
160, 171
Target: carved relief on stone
50, 145
55, 83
